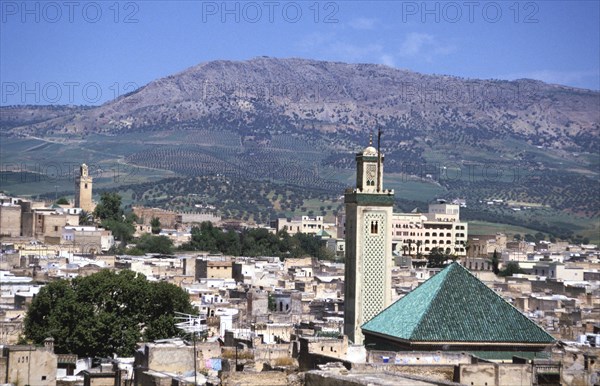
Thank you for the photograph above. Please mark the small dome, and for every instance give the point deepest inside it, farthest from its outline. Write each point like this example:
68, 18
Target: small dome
370, 150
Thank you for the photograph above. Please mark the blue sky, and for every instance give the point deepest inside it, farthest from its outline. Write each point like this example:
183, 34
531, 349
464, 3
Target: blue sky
81, 52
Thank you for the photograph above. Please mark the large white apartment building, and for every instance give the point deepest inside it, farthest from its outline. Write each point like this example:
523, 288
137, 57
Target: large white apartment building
414, 233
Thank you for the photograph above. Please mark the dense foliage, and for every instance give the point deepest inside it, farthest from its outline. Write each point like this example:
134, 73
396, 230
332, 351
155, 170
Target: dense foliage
152, 244
112, 217
109, 207
155, 224
495, 261
104, 313
510, 269
255, 242
437, 258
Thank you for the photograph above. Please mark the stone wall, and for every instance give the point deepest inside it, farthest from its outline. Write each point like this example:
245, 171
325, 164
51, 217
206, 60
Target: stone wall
267, 378
494, 374
30, 365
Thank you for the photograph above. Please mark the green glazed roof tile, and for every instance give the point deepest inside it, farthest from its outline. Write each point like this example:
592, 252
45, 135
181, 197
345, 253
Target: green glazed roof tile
455, 306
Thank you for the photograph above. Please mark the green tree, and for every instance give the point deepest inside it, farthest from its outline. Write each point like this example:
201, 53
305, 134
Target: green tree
495, 263
256, 242
62, 201
437, 258
105, 313
155, 244
121, 230
109, 207
155, 224
272, 304
511, 268
113, 217
86, 218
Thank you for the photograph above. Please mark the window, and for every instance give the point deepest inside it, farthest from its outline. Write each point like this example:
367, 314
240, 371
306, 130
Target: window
86, 186
374, 227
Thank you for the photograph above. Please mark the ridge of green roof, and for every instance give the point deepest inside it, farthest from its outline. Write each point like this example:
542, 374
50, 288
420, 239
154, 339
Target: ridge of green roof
418, 301
454, 305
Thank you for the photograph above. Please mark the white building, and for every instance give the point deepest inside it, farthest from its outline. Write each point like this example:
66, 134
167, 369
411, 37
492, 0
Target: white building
415, 233
305, 224
87, 239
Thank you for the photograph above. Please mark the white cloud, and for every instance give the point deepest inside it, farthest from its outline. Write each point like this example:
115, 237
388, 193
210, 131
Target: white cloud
414, 43
363, 23
414, 46
424, 46
388, 60
331, 46
354, 52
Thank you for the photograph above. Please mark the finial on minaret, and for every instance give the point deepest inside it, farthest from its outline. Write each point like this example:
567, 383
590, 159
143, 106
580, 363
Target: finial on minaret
371, 138
379, 176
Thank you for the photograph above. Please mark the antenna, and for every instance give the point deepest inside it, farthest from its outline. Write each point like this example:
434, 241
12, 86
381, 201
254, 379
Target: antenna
379, 159
192, 324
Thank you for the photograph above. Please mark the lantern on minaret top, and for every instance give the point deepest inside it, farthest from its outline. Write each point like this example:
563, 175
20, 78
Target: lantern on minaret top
369, 168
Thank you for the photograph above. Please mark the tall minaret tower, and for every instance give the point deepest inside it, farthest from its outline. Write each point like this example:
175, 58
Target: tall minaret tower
369, 207
83, 190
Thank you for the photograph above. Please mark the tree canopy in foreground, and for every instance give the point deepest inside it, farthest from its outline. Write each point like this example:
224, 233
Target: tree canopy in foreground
105, 313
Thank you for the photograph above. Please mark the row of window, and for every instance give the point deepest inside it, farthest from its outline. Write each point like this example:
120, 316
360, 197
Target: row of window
433, 234
407, 226
448, 250
413, 246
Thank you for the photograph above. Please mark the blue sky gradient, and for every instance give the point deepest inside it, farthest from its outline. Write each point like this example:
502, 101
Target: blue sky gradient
89, 52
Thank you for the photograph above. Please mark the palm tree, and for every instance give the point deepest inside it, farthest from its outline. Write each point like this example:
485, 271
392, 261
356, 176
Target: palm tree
86, 218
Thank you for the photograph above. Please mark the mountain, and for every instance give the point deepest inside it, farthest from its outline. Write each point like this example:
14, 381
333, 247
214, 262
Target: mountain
298, 122
265, 94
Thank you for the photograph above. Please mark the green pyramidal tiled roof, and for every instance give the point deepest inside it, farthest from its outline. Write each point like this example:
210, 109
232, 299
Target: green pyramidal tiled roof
455, 306
323, 233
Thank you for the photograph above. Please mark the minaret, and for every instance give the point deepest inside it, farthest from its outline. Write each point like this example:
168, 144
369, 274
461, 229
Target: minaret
83, 190
369, 208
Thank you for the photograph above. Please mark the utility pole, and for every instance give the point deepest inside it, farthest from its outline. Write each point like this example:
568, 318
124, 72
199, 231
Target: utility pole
191, 324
